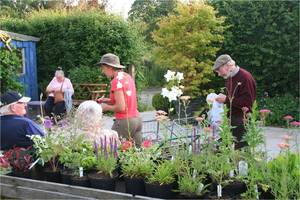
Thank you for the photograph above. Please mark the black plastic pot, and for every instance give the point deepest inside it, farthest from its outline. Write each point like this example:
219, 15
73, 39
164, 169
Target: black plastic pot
160, 191
66, 176
53, 176
80, 181
192, 196
20, 174
135, 186
101, 181
265, 194
233, 190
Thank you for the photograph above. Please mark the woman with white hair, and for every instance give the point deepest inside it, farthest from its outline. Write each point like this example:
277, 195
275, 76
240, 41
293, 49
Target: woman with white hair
88, 118
59, 91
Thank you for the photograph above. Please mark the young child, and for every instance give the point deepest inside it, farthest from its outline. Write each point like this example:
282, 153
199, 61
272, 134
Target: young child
214, 114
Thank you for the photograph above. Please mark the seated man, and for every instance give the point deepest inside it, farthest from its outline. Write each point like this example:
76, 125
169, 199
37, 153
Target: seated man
14, 126
88, 119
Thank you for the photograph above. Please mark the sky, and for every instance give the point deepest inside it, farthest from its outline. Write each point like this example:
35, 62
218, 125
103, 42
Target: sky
119, 7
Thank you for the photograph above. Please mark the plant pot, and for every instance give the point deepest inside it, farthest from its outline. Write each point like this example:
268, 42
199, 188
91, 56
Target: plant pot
37, 172
234, 189
53, 176
66, 175
135, 186
265, 194
192, 196
231, 191
80, 181
160, 191
102, 181
20, 174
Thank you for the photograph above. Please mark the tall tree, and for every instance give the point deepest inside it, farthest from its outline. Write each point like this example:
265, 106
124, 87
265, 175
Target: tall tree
188, 42
263, 37
149, 12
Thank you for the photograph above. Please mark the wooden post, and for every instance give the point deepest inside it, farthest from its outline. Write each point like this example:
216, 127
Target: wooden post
131, 71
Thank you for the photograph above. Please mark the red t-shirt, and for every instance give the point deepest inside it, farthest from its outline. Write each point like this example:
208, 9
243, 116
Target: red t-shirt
124, 82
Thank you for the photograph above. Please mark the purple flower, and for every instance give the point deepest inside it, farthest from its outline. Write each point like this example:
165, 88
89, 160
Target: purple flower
48, 123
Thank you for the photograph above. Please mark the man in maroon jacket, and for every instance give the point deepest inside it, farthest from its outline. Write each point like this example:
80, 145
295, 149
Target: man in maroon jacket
241, 94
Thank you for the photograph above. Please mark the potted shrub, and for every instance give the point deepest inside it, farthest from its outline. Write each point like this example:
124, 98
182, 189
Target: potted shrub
136, 164
106, 163
19, 159
161, 183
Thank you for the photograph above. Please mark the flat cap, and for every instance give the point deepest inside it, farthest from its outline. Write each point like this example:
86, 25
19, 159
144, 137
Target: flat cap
221, 60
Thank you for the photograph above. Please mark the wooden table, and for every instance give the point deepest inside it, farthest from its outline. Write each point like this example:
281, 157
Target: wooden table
96, 91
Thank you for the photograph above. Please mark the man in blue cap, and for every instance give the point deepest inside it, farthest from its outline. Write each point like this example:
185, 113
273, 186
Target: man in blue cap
14, 126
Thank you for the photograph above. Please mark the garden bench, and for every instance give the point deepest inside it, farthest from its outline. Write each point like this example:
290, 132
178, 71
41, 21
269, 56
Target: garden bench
92, 90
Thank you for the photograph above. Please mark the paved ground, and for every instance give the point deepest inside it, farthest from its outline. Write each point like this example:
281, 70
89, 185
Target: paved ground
273, 136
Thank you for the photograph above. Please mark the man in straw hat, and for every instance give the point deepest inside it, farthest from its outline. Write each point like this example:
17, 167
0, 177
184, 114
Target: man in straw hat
14, 126
241, 94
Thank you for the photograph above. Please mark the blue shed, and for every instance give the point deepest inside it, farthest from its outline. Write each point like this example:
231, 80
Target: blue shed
28, 73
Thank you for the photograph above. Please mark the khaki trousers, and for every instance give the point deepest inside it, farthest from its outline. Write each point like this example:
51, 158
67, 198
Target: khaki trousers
132, 125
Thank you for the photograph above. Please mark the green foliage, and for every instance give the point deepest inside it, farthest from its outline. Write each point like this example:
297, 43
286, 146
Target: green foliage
164, 173
106, 165
77, 38
187, 42
263, 37
150, 12
9, 63
191, 182
48, 148
77, 154
85, 74
253, 136
160, 103
281, 106
283, 175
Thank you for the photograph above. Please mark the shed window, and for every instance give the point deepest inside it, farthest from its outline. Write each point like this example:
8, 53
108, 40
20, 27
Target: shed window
21, 69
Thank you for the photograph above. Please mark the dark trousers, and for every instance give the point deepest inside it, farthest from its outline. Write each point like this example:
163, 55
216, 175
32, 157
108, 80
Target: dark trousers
55, 108
238, 131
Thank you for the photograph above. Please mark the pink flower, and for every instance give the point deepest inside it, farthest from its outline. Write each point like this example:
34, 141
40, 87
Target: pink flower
286, 137
288, 117
146, 144
295, 123
264, 111
283, 145
245, 109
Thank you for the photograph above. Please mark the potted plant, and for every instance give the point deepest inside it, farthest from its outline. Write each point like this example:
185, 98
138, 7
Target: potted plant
192, 175
161, 183
106, 163
283, 175
136, 164
47, 149
5, 167
83, 160
20, 160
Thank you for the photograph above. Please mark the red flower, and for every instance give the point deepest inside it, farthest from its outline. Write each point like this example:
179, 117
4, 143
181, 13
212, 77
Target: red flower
264, 111
288, 117
295, 123
147, 144
126, 145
